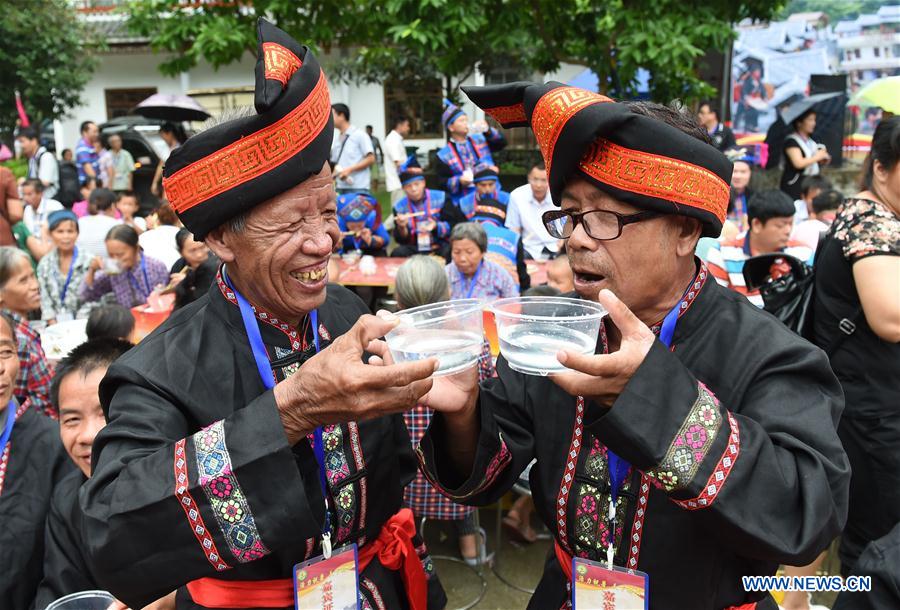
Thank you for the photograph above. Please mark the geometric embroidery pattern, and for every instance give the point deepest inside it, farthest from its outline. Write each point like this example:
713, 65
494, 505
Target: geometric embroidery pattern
592, 506
691, 444
280, 63
229, 504
553, 111
508, 114
500, 461
336, 470
263, 316
192, 511
637, 526
720, 473
253, 155
4, 460
360, 464
656, 176
562, 500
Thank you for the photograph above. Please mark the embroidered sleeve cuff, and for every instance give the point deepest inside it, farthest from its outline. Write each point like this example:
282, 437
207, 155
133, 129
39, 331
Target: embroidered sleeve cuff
492, 456
671, 427
232, 461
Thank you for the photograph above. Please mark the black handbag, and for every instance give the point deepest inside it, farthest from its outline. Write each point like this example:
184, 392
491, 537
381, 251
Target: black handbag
786, 285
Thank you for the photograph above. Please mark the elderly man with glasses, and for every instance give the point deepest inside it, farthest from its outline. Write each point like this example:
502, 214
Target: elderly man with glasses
697, 444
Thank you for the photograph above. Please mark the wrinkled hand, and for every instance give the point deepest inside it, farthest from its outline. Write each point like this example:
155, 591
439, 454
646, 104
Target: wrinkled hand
336, 386
602, 377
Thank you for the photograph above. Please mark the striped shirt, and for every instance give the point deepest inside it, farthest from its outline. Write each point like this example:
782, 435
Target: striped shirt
726, 263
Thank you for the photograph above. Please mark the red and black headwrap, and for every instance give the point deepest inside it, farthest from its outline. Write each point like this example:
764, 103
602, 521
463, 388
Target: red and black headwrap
227, 170
634, 158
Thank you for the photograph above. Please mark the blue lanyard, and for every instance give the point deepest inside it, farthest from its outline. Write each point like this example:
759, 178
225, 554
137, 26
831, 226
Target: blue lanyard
618, 467
474, 282
264, 367
65, 288
10, 422
136, 284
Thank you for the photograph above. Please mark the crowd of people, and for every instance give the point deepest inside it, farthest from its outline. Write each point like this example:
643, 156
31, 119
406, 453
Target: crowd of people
703, 441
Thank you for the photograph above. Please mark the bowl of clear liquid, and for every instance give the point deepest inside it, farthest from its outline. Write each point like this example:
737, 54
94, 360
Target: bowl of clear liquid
84, 600
450, 331
532, 330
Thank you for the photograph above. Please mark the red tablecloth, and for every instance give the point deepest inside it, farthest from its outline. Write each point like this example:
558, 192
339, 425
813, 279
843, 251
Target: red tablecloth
386, 271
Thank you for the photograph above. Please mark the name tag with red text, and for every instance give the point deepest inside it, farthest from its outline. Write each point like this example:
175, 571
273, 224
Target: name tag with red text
594, 587
328, 584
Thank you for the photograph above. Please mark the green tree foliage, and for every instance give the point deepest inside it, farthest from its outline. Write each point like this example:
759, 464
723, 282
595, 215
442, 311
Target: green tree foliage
46, 55
424, 39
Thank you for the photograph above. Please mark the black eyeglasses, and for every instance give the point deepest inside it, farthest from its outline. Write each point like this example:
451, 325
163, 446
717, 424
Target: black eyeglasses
599, 224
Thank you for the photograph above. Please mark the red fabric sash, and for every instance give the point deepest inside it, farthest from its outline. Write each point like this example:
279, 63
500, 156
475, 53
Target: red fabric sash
565, 563
393, 547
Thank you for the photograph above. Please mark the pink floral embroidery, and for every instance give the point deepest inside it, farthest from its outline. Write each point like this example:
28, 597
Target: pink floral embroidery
720, 473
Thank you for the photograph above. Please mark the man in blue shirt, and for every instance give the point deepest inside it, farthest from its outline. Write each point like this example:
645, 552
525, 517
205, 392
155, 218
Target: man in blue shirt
87, 159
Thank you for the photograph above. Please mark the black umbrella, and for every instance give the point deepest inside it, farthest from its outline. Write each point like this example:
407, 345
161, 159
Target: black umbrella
797, 109
171, 107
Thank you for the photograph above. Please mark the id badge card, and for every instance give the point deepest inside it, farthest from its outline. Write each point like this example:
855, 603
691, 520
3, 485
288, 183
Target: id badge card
328, 584
64, 316
595, 587
423, 239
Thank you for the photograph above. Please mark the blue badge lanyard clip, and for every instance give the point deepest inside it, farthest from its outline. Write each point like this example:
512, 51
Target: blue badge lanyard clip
137, 284
618, 467
264, 368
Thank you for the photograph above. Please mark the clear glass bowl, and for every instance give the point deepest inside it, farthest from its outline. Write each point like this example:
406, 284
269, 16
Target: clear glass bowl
451, 331
83, 600
533, 330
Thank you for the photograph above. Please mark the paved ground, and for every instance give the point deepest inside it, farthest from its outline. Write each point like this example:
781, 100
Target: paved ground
521, 565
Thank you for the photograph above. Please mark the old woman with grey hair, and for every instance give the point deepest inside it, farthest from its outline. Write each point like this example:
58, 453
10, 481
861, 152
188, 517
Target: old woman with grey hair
471, 276
421, 281
19, 296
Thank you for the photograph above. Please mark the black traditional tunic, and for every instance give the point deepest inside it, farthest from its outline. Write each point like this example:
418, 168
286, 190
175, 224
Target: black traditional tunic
194, 476
32, 464
736, 464
65, 565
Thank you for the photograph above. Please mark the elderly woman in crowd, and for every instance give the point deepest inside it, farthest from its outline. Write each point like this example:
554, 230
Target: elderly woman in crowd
470, 275
61, 273
420, 281
857, 323
131, 276
19, 296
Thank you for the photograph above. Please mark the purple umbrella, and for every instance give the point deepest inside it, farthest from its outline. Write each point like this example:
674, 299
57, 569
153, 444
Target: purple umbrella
171, 107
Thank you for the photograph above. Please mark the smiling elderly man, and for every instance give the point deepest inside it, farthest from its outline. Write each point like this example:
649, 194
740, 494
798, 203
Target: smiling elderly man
698, 444
246, 434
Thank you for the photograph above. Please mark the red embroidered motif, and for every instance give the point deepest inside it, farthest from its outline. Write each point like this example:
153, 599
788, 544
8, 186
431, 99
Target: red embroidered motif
251, 156
261, 315
562, 500
637, 526
553, 111
720, 474
4, 459
360, 464
280, 62
508, 114
657, 176
192, 511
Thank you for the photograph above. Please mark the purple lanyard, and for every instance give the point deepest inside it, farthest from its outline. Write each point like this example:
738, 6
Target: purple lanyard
264, 367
